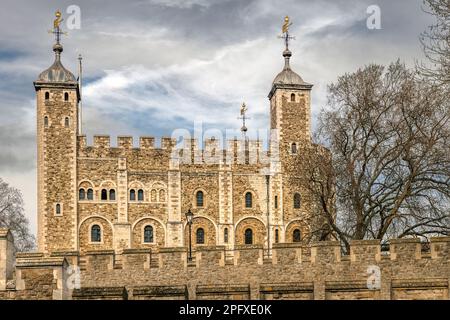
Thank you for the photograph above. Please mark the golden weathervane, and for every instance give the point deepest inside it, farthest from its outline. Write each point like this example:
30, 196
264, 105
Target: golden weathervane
285, 32
58, 19
286, 25
56, 26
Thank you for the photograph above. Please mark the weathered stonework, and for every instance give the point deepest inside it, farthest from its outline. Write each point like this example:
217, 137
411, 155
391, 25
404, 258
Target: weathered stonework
95, 202
296, 271
121, 188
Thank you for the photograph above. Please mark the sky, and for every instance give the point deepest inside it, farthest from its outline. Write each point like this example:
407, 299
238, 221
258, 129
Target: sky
153, 66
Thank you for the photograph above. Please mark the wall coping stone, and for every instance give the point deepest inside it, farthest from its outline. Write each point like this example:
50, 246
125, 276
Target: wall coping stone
29, 255
405, 240
64, 253
289, 286
418, 283
137, 251
222, 288
172, 249
211, 248
41, 262
159, 291
241, 247
100, 252
287, 245
365, 242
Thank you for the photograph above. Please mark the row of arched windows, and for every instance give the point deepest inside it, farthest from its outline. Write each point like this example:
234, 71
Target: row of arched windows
155, 195
199, 198
96, 235
66, 122
88, 194
66, 96
248, 236
140, 195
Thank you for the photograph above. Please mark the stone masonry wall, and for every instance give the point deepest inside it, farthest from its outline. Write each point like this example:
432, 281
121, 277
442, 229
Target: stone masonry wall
295, 271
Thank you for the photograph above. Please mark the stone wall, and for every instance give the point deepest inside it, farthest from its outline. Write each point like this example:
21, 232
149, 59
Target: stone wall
6, 257
295, 271
170, 186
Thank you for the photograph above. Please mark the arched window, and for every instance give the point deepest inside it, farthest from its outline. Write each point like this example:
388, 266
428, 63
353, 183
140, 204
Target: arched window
132, 195
46, 121
294, 148
199, 197
104, 195
248, 236
277, 236
90, 194
248, 200
276, 202
293, 97
297, 201
162, 196
225, 235
200, 236
96, 233
148, 234
82, 194
140, 195
153, 195
66, 96
112, 194
296, 236
66, 122
58, 208
47, 95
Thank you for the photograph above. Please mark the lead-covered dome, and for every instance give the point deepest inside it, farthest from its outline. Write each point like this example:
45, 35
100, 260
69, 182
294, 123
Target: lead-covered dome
57, 72
288, 76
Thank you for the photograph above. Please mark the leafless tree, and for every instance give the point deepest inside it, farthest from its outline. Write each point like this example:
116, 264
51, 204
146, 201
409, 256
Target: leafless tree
388, 134
436, 43
12, 217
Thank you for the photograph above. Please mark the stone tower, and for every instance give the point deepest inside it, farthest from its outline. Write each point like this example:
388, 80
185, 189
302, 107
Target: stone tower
290, 107
57, 94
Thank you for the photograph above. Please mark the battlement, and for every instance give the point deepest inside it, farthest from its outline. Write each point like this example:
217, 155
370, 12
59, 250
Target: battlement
210, 151
125, 142
294, 270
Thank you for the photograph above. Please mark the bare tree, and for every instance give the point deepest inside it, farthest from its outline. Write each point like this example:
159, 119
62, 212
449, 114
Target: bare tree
436, 43
12, 217
388, 134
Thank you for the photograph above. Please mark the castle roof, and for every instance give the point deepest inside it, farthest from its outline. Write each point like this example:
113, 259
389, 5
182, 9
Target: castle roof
57, 72
287, 78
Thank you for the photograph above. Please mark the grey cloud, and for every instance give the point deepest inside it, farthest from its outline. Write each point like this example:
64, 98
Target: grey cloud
197, 57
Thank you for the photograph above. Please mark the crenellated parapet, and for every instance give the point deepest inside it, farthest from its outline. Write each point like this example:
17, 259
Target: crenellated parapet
210, 151
125, 142
296, 270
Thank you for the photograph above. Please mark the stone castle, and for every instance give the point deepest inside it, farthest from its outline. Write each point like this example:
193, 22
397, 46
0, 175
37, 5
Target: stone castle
113, 198
112, 221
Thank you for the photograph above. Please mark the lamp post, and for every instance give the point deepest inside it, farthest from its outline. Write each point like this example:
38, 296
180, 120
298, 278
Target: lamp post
189, 217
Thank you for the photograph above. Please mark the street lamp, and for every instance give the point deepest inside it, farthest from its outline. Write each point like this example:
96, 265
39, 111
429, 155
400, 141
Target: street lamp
189, 217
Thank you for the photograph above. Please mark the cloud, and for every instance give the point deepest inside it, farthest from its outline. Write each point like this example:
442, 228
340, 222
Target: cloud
182, 4
152, 66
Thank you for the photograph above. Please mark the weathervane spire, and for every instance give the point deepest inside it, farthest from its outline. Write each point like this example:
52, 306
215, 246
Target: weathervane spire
286, 37
57, 32
244, 117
